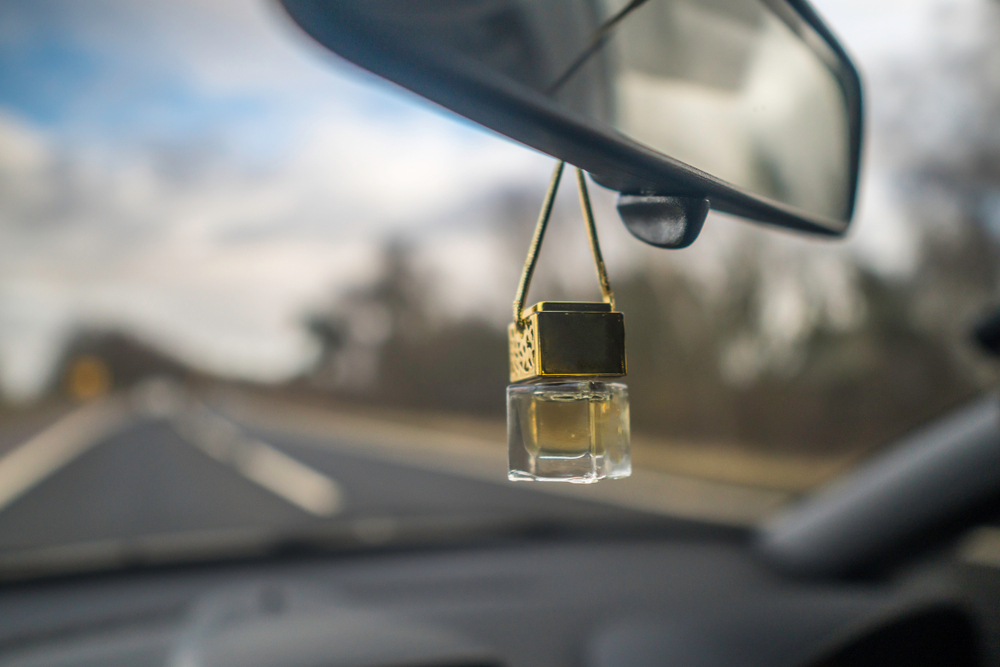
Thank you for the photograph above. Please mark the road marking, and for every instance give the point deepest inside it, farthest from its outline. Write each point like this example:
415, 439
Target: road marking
261, 463
39, 457
292, 480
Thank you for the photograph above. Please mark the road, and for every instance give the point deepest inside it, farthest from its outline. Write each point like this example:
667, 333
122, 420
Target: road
147, 479
174, 465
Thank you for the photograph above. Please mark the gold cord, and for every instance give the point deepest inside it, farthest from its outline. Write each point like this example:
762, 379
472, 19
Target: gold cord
536, 243
595, 247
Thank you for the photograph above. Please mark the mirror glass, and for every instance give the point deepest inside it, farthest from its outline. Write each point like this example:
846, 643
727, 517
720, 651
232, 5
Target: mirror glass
725, 86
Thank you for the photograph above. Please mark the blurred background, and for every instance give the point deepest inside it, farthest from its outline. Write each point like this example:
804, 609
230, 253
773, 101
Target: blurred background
195, 191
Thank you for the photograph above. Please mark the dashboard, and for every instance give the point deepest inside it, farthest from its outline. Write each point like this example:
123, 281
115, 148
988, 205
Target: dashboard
693, 598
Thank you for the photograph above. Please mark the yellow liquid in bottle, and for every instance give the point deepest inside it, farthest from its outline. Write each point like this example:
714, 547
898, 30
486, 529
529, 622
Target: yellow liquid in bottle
577, 430
566, 425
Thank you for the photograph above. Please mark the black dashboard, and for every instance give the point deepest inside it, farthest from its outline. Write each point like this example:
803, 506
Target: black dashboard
691, 599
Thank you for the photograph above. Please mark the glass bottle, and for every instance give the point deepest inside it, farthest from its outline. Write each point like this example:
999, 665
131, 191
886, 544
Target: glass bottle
568, 431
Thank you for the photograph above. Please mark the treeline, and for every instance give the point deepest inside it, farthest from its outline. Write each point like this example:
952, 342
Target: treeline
848, 389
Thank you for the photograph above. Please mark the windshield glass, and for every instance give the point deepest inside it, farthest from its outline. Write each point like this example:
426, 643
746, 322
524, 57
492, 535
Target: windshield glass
245, 284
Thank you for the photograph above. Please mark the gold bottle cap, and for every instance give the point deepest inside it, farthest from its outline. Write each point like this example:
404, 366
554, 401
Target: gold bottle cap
569, 307
584, 339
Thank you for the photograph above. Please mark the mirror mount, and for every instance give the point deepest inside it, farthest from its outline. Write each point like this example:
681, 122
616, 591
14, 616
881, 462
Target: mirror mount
663, 221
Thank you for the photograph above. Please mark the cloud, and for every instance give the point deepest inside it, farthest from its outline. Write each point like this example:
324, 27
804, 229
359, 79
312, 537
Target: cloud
210, 251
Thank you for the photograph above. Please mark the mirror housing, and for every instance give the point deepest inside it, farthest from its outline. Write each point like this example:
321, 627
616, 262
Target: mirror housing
376, 35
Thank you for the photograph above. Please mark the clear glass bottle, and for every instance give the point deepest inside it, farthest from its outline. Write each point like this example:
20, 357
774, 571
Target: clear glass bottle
568, 431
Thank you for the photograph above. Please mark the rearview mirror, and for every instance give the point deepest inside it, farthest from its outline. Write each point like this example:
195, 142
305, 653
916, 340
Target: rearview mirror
748, 106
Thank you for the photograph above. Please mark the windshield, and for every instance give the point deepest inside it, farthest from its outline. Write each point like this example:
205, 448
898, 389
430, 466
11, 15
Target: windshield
244, 284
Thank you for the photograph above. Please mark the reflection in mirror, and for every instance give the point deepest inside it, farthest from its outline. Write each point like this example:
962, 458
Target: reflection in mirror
728, 88
725, 86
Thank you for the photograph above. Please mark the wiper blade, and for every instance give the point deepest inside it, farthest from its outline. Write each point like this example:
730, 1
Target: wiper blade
332, 538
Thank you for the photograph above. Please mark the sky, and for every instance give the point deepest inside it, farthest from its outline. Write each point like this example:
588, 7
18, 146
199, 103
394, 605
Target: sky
200, 173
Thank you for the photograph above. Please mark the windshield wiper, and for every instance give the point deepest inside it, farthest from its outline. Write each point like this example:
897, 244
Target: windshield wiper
360, 536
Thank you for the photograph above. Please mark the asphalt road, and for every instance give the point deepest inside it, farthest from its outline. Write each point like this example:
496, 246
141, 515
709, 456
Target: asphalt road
152, 475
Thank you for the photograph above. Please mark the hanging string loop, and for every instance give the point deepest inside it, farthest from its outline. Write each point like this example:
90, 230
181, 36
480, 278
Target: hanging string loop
536, 242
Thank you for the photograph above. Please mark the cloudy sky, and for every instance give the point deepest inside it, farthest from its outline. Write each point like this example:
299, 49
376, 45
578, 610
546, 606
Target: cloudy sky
200, 173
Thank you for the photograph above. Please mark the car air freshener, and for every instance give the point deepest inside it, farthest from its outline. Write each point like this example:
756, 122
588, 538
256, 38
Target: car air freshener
567, 416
